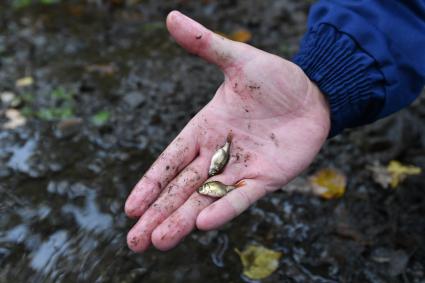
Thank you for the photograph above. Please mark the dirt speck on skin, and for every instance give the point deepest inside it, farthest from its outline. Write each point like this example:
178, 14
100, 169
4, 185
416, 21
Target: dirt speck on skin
246, 158
253, 87
134, 242
171, 188
274, 139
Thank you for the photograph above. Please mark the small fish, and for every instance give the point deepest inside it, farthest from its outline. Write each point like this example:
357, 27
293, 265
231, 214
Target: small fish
220, 157
218, 189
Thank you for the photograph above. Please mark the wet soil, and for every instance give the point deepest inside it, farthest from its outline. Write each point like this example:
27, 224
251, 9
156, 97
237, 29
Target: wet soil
63, 182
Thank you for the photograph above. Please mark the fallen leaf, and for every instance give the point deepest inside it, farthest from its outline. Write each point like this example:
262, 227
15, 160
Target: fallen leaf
49, 2
76, 10
61, 94
399, 172
15, 119
100, 118
380, 174
102, 69
68, 127
328, 183
55, 113
392, 174
241, 35
258, 262
153, 26
25, 81
21, 3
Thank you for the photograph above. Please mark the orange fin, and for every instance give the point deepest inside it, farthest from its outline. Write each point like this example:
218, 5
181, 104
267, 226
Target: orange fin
239, 184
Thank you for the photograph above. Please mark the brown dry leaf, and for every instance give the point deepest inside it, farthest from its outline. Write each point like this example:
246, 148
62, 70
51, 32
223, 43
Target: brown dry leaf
258, 262
102, 69
76, 10
328, 183
392, 174
25, 81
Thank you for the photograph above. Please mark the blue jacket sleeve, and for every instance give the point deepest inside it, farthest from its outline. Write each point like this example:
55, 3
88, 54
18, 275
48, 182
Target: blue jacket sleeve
366, 56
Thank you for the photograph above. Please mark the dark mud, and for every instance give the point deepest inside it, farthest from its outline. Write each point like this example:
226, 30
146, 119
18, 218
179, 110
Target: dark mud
63, 184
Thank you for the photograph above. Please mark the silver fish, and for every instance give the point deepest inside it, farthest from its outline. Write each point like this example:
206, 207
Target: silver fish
217, 189
220, 157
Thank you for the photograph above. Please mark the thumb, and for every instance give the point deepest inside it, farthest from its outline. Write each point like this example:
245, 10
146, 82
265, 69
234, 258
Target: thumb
202, 42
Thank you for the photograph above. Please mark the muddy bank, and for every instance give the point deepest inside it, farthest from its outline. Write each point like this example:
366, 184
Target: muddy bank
111, 90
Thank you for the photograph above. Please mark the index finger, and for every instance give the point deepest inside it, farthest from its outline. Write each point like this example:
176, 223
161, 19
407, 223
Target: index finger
182, 150
231, 205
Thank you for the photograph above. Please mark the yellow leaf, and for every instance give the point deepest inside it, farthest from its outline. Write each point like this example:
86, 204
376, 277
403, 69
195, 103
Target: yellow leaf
328, 183
399, 172
258, 262
25, 81
241, 35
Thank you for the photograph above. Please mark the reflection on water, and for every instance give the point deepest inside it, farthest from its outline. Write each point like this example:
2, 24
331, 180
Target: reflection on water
45, 257
88, 217
20, 160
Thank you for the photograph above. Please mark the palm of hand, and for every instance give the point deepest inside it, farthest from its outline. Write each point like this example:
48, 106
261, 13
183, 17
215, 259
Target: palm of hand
278, 120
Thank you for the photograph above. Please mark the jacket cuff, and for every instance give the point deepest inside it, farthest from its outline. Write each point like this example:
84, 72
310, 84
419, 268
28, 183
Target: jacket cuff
348, 76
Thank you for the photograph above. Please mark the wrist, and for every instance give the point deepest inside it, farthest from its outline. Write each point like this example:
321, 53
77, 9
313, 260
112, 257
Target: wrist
319, 109
347, 76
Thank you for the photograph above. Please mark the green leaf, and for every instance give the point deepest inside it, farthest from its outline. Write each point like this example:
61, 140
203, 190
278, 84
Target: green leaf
18, 4
50, 114
48, 2
46, 114
64, 112
61, 94
100, 118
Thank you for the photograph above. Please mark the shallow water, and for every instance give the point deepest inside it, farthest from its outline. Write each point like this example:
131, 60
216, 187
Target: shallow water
63, 186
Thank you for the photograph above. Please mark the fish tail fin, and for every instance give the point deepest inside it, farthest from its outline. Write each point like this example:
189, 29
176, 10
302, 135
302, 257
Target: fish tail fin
229, 137
239, 184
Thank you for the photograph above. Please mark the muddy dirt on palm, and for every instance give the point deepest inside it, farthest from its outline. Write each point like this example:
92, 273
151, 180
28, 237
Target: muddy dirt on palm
110, 90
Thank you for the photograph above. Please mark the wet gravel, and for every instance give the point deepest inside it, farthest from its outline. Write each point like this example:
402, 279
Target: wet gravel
63, 182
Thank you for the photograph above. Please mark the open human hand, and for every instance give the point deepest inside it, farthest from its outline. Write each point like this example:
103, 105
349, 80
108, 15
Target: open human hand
278, 119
